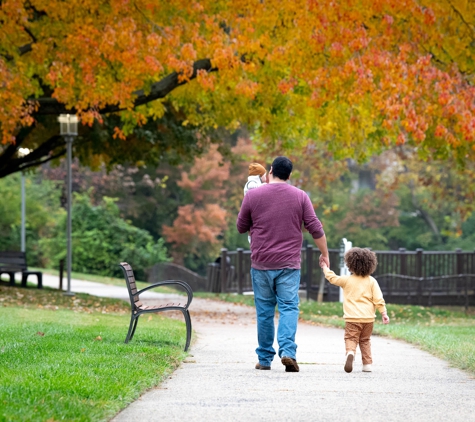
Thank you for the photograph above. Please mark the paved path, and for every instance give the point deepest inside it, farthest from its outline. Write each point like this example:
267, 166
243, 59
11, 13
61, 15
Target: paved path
218, 382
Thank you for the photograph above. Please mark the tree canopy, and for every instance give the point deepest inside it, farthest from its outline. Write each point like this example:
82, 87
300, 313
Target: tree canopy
360, 75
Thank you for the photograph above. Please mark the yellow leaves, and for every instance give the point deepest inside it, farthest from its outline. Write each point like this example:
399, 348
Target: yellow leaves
357, 64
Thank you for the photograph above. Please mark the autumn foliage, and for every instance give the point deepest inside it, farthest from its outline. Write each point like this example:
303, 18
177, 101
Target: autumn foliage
363, 75
199, 225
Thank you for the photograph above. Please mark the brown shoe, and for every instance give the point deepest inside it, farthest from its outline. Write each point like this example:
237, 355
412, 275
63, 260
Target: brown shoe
290, 364
350, 356
262, 367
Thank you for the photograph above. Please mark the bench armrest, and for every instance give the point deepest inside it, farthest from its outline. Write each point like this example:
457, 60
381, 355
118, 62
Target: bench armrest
185, 286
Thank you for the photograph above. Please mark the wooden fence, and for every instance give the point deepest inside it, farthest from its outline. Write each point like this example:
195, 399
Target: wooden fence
406, 277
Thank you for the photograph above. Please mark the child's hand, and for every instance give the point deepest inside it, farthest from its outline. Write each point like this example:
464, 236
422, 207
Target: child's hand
385, 317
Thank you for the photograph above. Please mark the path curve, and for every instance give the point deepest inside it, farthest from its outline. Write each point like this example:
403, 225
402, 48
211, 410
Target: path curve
218, 380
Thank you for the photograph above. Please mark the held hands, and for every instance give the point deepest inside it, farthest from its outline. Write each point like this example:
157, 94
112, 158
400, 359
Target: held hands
385, 318
324, 261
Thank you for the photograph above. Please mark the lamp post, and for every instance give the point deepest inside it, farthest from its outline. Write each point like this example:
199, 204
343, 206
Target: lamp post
21, 153
69, 129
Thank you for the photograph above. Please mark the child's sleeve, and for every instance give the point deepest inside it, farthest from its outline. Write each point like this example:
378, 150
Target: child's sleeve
335, 279
378, 299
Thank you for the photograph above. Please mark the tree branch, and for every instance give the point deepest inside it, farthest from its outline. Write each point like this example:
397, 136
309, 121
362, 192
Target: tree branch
40, 155
160, 89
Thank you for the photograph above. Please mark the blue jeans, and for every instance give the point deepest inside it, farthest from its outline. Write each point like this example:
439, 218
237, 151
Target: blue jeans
271, 288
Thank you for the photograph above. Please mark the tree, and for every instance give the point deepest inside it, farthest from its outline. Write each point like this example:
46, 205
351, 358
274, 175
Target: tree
363, 75
197, 230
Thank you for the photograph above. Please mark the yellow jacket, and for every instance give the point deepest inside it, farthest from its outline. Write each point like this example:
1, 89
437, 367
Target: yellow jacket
361, 296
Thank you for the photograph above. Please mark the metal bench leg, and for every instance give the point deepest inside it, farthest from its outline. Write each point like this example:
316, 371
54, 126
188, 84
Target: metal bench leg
40, 281
186, 314
135, 326
23, 280
132, 325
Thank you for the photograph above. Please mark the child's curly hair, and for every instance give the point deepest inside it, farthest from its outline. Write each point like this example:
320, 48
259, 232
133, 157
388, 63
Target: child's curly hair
362, 262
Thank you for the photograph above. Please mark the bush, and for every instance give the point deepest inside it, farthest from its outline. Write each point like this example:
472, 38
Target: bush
101, 239
43, 211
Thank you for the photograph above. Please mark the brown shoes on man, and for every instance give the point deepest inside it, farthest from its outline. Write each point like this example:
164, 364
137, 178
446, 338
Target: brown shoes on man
290, 364
262, 367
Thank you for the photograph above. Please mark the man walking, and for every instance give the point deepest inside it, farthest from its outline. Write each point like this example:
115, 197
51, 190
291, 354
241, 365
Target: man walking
274, 214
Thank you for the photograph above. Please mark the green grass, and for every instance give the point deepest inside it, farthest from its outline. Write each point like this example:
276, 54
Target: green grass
445, 332
64, 358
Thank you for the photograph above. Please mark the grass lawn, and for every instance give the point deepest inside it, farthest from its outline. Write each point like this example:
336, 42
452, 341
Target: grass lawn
445, 332
64, 358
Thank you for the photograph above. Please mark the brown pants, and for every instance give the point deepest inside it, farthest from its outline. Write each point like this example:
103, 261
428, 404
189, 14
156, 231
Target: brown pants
359, 333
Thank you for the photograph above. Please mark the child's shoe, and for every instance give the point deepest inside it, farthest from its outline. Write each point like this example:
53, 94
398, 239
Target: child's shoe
350, 356
367, 368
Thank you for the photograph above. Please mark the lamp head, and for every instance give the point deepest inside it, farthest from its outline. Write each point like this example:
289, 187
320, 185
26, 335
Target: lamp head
68, 124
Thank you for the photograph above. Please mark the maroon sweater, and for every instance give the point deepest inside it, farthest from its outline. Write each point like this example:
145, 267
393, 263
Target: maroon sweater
274, 214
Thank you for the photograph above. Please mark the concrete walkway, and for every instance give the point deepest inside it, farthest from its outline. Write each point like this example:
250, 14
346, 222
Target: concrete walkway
218, 382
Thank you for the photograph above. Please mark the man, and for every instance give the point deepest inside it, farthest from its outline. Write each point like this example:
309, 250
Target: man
274, 214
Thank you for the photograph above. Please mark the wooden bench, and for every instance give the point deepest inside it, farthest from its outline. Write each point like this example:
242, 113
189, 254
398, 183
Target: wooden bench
12, 262
138, 308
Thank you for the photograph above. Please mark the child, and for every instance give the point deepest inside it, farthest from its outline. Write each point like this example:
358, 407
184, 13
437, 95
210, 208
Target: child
361, 296
256, 178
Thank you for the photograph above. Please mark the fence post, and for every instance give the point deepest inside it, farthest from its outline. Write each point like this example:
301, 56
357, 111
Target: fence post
459, 261
223, 272
309, 269
61, 270
239, 269
419, 272
402, 262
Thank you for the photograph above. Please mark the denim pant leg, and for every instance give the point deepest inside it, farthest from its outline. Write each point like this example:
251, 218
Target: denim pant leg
287, 286
264, 298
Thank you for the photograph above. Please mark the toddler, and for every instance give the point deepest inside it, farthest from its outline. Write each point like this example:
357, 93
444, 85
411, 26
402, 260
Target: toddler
361, 297
256, 178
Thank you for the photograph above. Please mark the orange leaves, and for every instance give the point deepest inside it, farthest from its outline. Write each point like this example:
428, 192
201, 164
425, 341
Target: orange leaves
118, 133
286, 85
195, 226
247, 89
206, 80
199, 226
402, 59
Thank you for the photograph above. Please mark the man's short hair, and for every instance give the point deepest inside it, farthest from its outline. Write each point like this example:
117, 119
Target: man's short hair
281, 168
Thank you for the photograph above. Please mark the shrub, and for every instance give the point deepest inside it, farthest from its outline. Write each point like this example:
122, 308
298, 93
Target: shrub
101, 239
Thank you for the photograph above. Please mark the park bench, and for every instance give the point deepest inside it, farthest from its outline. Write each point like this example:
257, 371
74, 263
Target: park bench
138, 308
12, 262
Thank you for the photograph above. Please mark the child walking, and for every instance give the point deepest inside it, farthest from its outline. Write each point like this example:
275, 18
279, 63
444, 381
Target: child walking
361, 297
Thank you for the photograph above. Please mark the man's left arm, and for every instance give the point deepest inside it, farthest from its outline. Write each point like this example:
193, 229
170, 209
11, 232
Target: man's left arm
244, 220
315, 228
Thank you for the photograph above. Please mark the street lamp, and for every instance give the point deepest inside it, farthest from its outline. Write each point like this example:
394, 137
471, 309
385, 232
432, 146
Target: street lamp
69, 129
21, 153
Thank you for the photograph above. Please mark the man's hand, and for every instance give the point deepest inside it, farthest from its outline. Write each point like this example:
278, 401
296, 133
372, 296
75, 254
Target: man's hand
385, 317
324, 260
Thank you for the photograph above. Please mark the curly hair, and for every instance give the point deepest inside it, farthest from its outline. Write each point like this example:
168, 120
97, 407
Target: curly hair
361, 261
